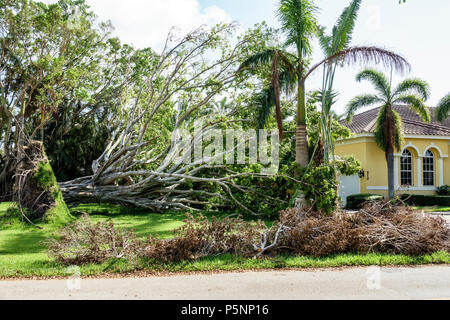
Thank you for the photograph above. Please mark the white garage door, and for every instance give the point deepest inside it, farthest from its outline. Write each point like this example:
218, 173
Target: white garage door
348, 185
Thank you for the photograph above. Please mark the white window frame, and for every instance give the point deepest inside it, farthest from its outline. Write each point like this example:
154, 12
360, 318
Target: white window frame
428, 162
407, 155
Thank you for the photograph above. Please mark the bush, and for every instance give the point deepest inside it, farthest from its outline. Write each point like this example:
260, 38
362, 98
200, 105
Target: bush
356, 201
348, 165
320, 187
443, 190
425, 200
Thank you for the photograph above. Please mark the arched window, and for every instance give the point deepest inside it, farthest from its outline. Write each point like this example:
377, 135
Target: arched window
428, 169
406, 168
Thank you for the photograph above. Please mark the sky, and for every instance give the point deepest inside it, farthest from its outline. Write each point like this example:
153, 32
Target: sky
418, 30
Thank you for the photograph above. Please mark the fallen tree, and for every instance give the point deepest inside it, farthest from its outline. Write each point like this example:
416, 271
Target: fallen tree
147, 170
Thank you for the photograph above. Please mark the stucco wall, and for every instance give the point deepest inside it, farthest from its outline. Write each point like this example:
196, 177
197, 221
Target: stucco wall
375, 168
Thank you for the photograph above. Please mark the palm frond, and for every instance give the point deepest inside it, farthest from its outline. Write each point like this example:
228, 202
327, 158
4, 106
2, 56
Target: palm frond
381, 138
377, 79
328, 99
325, 41
257, 60
414, 85
342, 32
398, 131
360, 102
380, 129
265, 102
288, 80
443, 108
416, 104
299, 23
366, 55
266, 99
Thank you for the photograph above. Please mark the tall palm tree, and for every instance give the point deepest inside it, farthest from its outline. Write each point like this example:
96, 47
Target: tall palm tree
290, 71
338, 40
443, 108
388, 131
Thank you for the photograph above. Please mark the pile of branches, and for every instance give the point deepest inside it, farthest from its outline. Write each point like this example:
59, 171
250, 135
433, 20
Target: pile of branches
85, 242
378, 227
383, 227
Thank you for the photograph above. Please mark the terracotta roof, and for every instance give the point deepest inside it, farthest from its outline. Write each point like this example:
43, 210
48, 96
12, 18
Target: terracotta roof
412, 124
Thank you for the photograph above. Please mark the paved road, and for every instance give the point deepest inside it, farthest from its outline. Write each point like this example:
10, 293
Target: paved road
430, 282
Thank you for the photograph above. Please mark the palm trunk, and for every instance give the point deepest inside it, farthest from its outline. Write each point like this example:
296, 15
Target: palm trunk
390, 165
390, 150
301, 149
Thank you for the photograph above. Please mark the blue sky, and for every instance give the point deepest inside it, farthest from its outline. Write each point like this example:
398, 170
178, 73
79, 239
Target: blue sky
418, 29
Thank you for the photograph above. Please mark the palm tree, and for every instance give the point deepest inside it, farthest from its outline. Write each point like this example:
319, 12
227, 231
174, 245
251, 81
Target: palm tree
443, 108
388, 131
339, 40
290, 71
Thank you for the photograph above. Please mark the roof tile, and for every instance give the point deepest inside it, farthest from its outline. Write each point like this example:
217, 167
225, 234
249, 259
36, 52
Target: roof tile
412, 124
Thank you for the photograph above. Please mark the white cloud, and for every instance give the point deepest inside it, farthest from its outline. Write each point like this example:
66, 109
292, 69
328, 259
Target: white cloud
146, 23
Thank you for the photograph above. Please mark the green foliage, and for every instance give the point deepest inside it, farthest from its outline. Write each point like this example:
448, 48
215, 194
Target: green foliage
348, 165
355, 201
443, 108
380, 131
426, 200
320, 187
298, 21
24, 255
72, 156
338, 131
443, 190
44, 176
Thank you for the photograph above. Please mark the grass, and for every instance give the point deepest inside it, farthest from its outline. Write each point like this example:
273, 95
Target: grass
23, 255
433, 209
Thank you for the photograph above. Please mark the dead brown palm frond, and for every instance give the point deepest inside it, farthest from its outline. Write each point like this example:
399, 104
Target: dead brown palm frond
364, 55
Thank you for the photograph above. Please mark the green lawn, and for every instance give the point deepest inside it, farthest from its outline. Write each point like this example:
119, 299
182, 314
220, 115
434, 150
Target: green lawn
433, 209
23, 255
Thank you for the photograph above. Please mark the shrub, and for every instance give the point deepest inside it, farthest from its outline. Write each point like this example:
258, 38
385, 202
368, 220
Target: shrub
85, 242
425, 200
443, 190
320, 187
356, 201
348, 166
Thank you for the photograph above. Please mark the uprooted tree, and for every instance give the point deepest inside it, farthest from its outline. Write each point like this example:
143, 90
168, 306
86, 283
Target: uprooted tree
56, 73
142, 164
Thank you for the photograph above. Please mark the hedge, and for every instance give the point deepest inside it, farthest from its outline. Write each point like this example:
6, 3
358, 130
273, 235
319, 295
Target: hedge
426, 200
355, 201
443, 190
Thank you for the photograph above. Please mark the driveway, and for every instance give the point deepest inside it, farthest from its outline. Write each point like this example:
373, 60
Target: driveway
428, 282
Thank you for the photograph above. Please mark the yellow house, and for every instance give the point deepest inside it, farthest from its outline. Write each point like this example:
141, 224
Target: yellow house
422, 165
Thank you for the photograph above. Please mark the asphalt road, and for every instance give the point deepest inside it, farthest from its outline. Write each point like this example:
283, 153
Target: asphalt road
429, 282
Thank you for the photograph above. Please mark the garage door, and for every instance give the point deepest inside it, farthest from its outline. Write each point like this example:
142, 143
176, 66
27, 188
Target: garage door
348, 185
